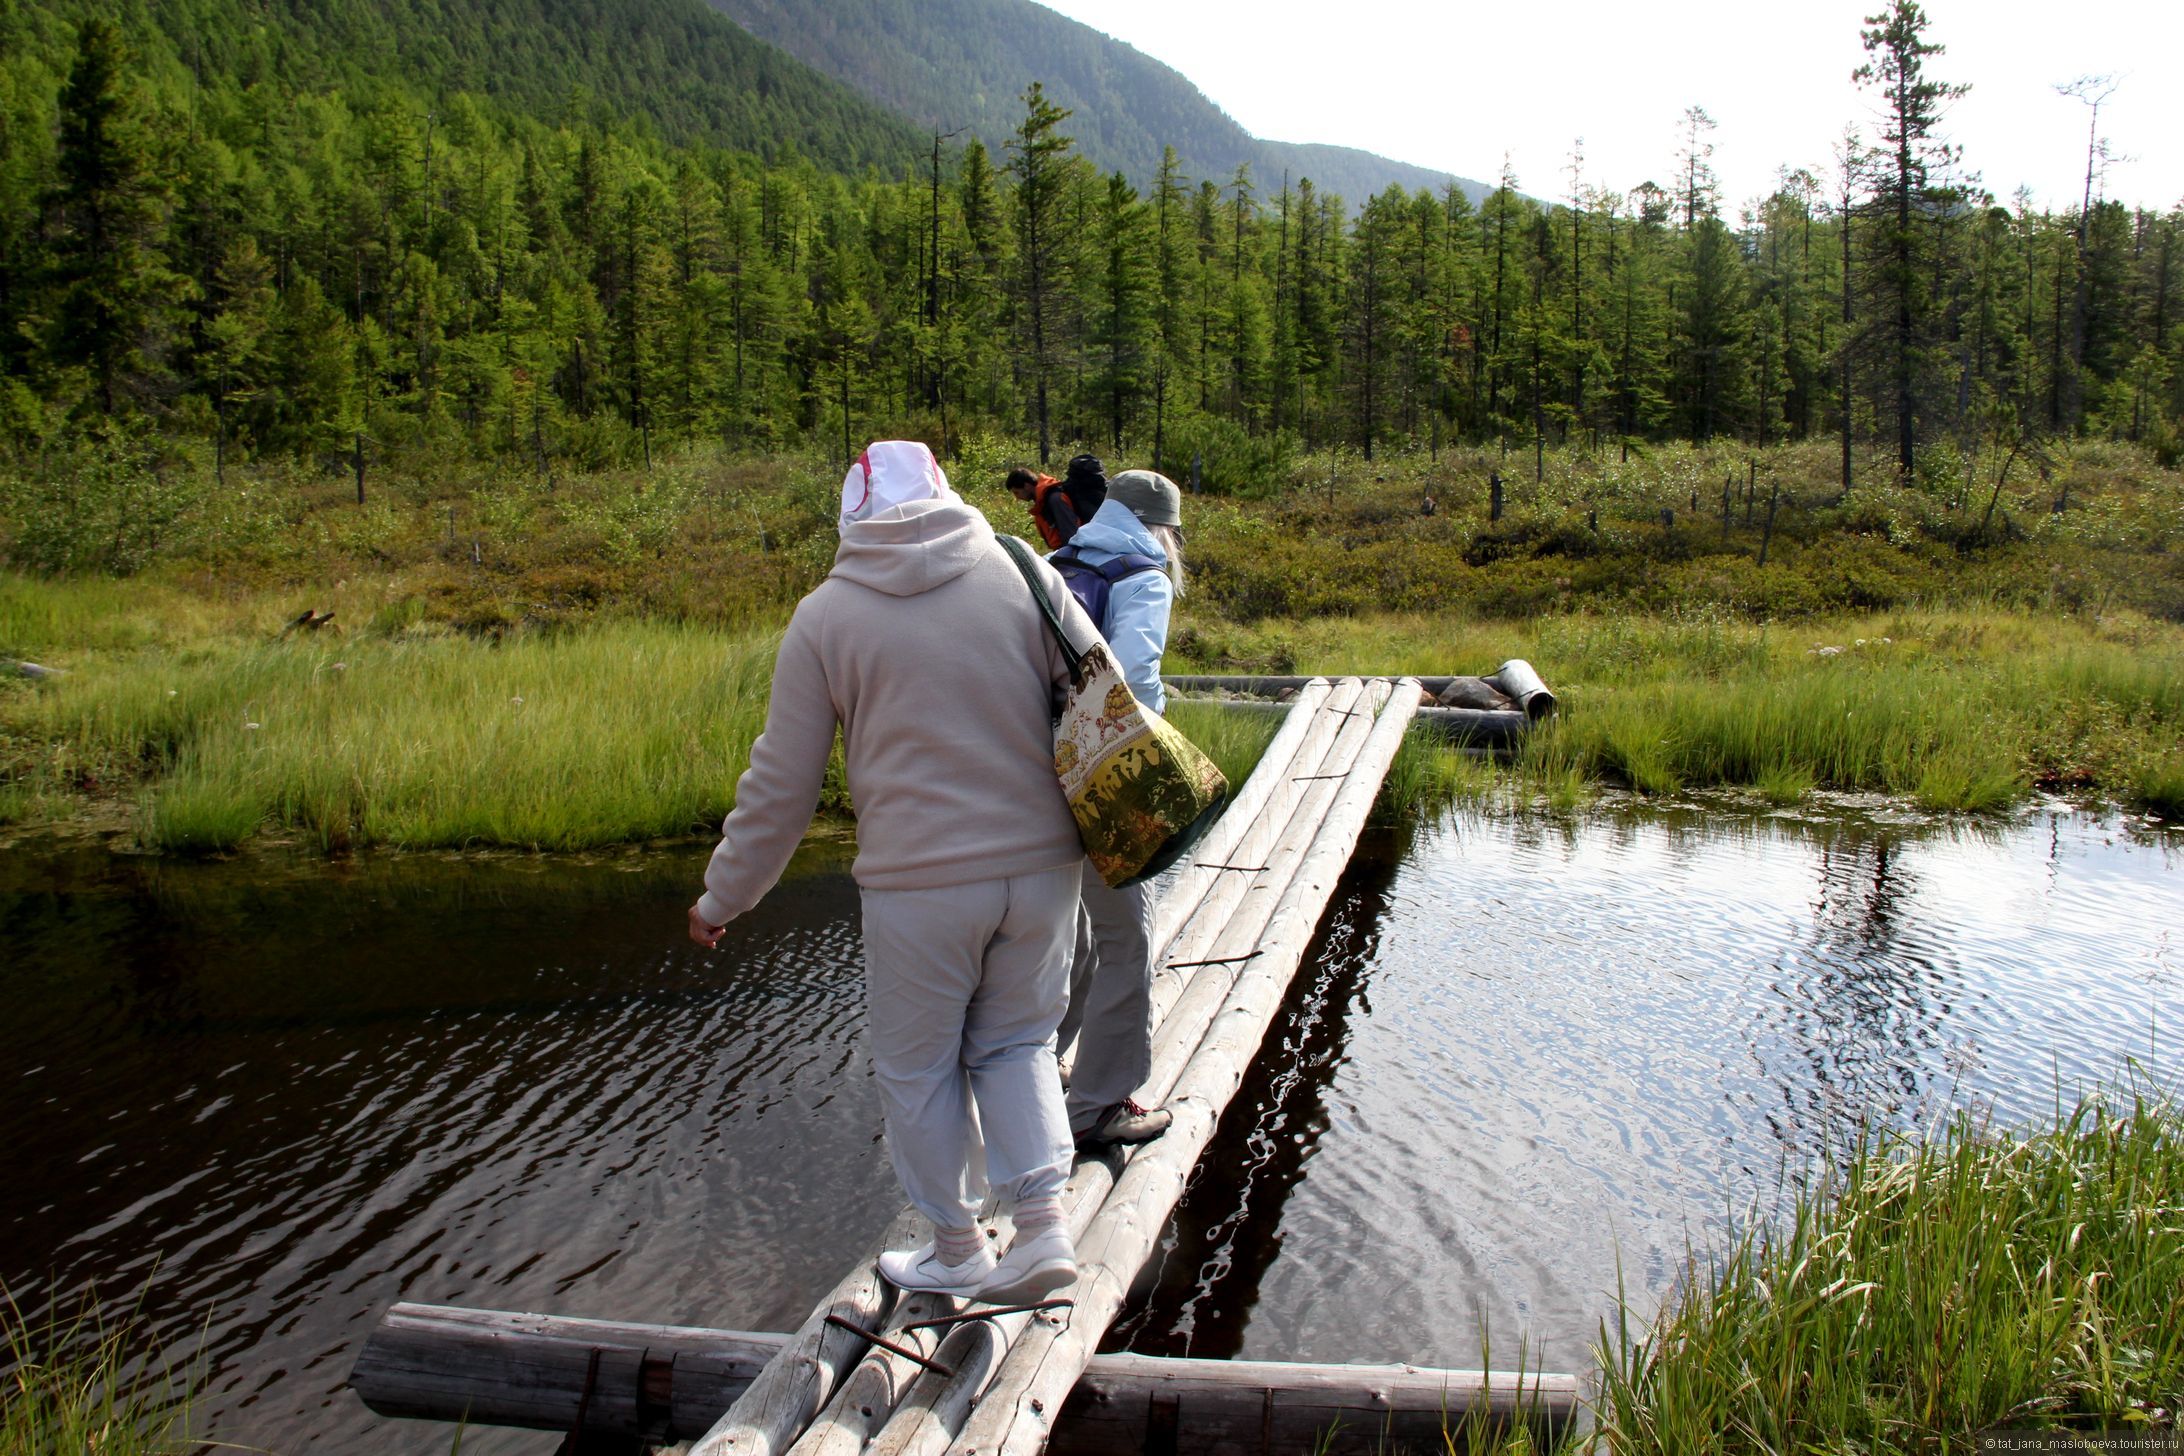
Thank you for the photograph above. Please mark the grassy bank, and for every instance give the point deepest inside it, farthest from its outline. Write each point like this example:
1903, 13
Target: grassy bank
564, 663
206, 730
195, 725
1957, 709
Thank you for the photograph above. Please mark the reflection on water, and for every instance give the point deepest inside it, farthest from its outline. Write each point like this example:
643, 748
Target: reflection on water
1536, 1056
273, 1101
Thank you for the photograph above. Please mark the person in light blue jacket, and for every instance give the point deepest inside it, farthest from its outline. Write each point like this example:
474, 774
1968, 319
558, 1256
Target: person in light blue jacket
1132, 548
1116, 543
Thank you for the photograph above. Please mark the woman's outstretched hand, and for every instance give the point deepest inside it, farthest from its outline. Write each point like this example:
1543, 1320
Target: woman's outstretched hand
702, 933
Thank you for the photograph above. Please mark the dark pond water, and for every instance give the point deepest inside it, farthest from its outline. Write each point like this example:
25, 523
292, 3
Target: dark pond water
259, 1103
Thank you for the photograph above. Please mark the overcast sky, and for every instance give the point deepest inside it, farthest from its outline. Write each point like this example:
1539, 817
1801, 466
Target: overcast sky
1459, 86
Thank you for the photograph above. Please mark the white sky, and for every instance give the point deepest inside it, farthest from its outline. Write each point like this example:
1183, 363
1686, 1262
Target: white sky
1457, 85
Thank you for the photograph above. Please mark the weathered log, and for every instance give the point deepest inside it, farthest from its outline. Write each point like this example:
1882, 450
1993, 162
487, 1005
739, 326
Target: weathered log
1517, 679
1462, 727
1260, 685
34, 671
668, 1382
492, 1368
1245, 808
1017, 1412
1244, 1408
1474, 692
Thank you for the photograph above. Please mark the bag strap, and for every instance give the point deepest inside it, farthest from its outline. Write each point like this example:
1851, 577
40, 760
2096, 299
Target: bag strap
1021, 555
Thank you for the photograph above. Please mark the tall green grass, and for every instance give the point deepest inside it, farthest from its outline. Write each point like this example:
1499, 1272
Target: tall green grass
1934, 1289
1957, 710
624, 732
73, 1388
1233, 741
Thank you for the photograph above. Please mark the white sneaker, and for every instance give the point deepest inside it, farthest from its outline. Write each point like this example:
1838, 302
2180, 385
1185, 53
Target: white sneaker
920, 1271
1033, 1268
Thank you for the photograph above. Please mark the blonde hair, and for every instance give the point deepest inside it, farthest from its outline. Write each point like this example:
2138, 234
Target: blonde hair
1172, 544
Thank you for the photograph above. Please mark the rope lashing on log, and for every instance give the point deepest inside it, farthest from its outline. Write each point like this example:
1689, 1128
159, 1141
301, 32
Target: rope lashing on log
1218, 961
979, 1314
871, 1337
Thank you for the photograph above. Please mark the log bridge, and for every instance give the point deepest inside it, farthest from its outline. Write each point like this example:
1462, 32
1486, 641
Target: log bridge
1230, 933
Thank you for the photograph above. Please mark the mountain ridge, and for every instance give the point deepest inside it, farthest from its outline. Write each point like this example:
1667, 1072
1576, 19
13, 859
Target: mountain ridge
962, 65
690, 72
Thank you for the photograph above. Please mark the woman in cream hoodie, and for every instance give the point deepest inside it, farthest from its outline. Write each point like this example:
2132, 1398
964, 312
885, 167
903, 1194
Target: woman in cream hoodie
926, 650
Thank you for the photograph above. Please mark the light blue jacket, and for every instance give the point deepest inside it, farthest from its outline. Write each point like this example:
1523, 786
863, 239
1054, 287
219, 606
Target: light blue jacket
1137, 606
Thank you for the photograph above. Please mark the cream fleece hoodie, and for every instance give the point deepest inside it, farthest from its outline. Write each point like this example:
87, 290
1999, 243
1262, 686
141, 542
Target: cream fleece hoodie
924, 645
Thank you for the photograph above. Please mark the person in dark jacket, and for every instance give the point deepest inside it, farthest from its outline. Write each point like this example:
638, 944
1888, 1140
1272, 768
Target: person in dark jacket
1085, 483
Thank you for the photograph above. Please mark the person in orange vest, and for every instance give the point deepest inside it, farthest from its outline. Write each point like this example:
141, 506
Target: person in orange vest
1060, 507
1051, 510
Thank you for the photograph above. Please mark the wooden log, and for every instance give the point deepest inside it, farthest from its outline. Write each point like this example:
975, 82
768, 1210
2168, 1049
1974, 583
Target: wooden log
1209, 887
1260, 685
1484, 728
1515, 678
1519, 680
528, 1370
1018, 1411
1190, 884
1238, 1408
1239, 940
34, 671
491, 1368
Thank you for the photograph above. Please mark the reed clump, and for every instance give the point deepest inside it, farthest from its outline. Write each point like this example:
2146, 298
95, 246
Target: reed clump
76, 1387
1929, 1290
1955, 709
628, 731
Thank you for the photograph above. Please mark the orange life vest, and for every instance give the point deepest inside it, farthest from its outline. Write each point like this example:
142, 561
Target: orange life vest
1041, 488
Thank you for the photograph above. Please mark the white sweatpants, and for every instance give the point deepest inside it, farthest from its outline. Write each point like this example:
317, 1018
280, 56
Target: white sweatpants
964, 987
1110, 998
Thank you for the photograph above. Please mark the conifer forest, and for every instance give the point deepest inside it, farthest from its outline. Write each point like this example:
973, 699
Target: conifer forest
222, 233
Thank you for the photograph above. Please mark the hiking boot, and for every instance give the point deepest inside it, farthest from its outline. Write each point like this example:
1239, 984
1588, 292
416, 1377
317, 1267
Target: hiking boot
920, 1271
1126, 1122
1035, 1266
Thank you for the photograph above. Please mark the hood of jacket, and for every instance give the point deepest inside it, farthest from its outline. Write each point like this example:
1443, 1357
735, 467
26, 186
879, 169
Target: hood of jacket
1115, 530
913, 548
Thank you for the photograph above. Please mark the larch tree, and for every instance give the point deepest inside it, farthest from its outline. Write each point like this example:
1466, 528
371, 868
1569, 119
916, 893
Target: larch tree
1038, 153
1912, 102
116, 295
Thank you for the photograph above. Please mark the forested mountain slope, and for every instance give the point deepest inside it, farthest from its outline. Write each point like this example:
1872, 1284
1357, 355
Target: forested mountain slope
965, 63
689, 72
